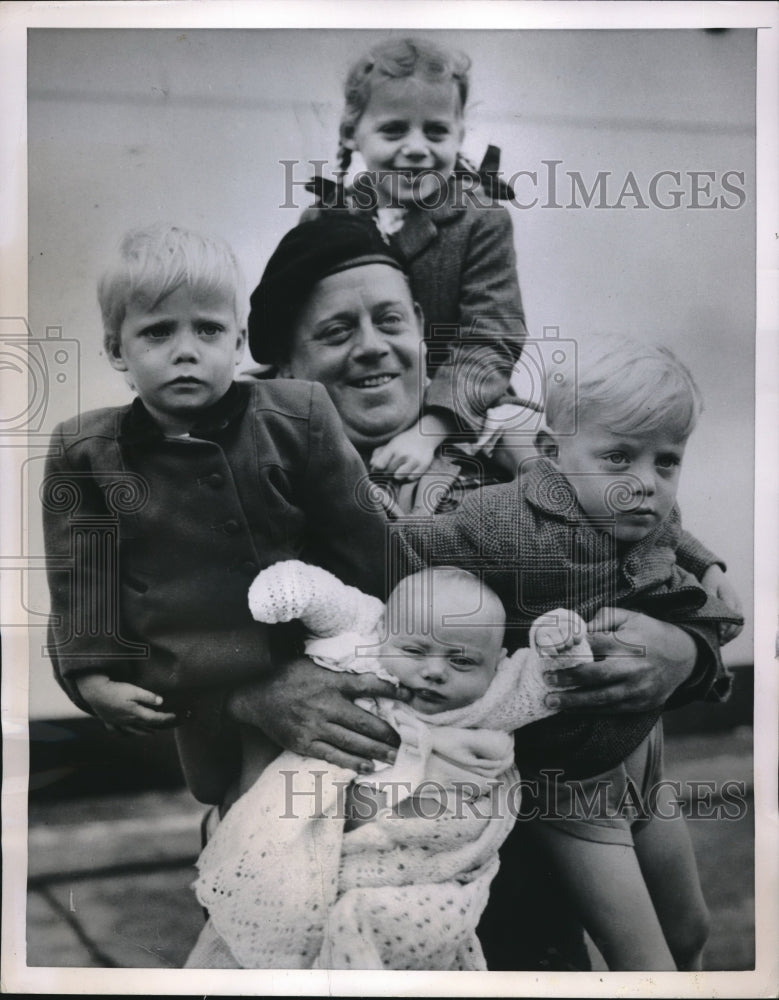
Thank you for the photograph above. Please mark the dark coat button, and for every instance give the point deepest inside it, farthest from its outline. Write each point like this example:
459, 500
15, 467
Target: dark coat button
216, 479
232, 527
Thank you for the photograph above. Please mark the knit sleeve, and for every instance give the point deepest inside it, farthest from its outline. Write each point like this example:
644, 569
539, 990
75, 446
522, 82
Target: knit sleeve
558, 639
325, 606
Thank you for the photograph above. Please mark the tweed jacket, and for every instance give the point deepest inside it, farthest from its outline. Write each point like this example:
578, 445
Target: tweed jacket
463, 272
152, 542
530, 542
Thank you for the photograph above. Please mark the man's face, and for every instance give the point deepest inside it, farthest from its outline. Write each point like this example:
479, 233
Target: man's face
360, 335
180, 353
624, 482
443, 644
409, 128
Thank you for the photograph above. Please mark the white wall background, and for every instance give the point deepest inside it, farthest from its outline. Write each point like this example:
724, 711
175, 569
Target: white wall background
129, 126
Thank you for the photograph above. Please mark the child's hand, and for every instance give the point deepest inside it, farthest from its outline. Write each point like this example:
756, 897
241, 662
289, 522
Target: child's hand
406, 457
715, 582
561, 633
124, 707
409, 454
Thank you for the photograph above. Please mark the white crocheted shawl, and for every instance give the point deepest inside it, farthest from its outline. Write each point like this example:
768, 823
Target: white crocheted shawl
286, 888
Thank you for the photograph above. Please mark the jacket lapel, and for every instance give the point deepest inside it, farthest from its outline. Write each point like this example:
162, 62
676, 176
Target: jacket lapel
422, 225
418, 232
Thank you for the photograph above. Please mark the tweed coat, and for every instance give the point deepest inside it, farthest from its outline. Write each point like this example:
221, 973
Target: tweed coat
152, 542
529, 541
463, 271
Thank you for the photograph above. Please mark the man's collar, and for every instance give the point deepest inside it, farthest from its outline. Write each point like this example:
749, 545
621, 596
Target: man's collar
139, 425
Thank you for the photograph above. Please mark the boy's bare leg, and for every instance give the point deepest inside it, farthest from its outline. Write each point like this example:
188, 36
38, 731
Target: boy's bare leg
666, 857
608, 890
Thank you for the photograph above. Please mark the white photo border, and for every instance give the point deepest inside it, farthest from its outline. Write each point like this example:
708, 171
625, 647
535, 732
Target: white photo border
764, 981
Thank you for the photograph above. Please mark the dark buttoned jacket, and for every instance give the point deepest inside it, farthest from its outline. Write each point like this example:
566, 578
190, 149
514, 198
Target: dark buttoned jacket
152, 542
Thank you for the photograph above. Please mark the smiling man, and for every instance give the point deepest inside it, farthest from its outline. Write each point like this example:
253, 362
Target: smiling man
359, 334
334, 306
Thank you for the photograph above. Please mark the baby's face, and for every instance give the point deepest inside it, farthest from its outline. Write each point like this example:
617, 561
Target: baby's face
409, 128
180, 353
450, 664
625, 482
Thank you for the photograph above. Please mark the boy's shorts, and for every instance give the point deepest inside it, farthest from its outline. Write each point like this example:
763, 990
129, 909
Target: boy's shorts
608, 808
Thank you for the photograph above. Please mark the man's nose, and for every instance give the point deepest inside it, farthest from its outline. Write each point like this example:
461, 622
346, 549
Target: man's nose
370, 342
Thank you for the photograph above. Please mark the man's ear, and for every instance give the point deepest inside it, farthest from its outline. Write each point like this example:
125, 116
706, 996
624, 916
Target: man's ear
546, 444
420, 318
115, 358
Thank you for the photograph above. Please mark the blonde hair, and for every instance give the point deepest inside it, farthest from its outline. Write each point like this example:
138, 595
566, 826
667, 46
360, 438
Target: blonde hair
392, 60
625, 386
420, 588
153, 261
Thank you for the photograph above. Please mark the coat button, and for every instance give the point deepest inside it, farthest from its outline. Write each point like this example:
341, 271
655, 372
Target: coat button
216, 480
232, 527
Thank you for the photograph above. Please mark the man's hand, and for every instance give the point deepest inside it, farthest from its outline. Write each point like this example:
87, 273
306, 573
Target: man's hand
123, 707
642, 662
310, 710
715, 582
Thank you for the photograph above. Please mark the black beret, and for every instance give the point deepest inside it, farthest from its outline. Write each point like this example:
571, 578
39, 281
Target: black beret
336, 241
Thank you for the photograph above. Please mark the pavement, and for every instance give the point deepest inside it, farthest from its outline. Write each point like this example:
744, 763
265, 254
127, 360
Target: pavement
109, 874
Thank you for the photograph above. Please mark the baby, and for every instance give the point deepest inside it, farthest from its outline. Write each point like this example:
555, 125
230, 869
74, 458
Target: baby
418, 838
